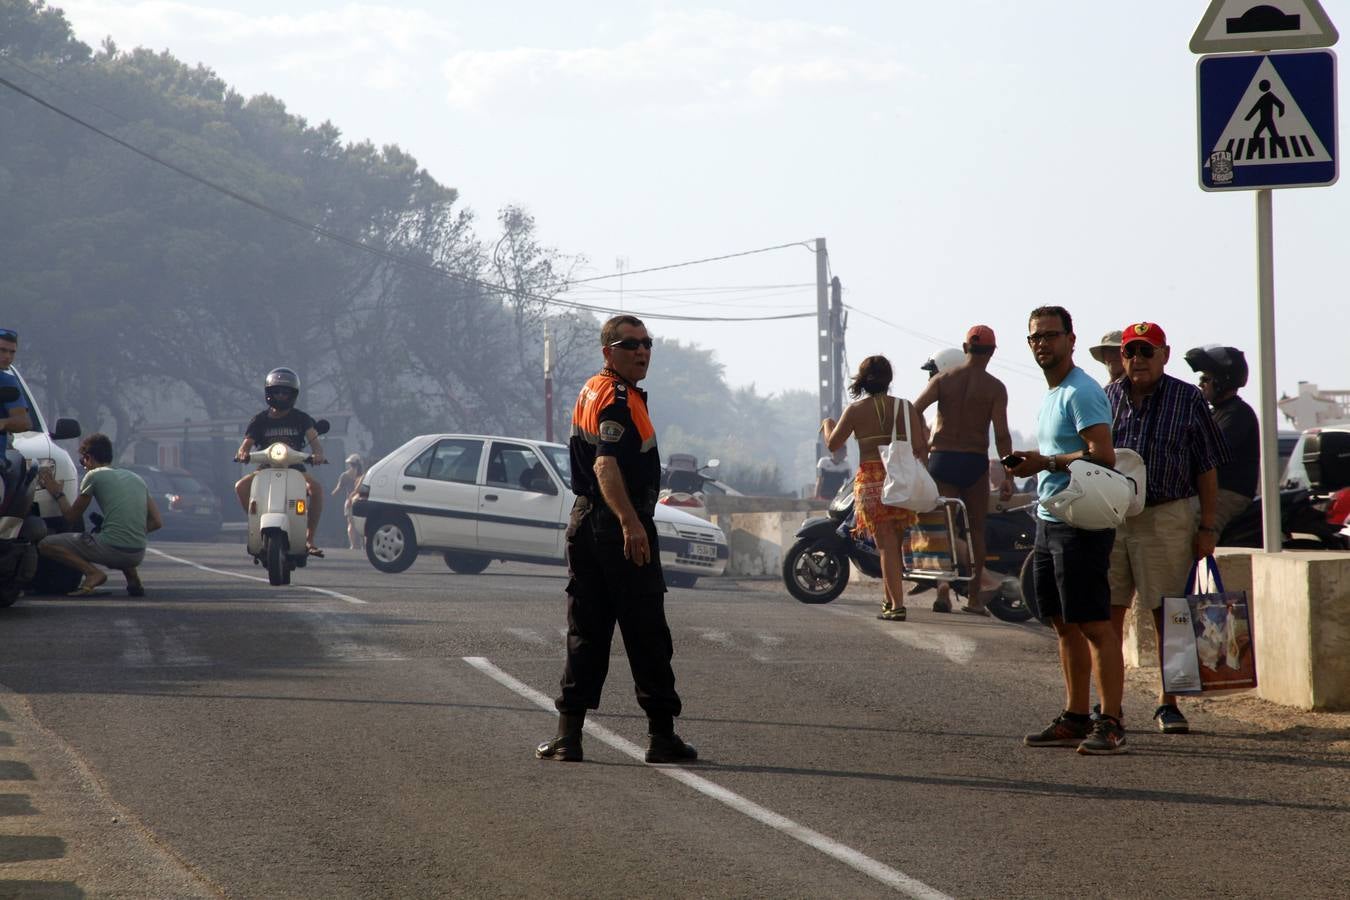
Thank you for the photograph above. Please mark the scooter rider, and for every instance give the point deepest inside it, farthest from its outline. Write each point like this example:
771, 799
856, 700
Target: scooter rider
281, 421
1222, 371
14, 417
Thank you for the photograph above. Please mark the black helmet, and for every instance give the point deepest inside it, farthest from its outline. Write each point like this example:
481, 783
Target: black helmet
281, 388
1226, 365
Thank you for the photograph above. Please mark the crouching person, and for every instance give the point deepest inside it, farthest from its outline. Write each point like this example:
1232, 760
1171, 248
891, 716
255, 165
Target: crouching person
129, 514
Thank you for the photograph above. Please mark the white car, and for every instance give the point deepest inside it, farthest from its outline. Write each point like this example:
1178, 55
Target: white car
475, 498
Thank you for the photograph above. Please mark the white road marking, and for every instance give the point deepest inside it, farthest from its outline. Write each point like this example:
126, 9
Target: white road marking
136, 651
176, 650
346, 598
814, 839
343, 643
720, 638
958, 649
530, 636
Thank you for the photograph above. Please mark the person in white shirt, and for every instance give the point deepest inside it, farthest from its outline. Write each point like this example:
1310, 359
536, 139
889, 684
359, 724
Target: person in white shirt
831, 472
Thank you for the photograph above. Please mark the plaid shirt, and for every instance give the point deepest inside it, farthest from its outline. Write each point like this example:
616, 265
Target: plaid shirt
1173, 430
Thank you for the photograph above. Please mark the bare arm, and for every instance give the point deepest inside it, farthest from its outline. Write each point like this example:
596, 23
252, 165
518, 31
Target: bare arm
837, 433
17, 422
928, 396
242, 452
636, 547
315, 448
918, 434
153, 521
73, 513
1099, 449
1002, 437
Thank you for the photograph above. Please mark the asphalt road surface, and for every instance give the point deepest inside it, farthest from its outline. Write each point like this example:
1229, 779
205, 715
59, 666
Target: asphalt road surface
369, 735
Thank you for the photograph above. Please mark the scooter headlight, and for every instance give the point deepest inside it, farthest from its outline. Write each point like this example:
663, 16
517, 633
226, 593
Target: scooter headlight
277, 453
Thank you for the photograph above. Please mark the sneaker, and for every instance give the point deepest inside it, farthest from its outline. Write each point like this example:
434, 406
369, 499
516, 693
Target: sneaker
1170, 720
668, 748
1067, 730
1107, 738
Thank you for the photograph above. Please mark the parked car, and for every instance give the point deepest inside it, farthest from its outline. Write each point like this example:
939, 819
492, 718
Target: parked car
476, 498
39, 446
190, 511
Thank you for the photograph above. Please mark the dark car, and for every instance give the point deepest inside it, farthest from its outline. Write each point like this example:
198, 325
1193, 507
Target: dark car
190, 511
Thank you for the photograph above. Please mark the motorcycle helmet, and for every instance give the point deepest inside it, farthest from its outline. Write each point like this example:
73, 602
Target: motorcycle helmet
1096, 497
944, 359
1227, 366
1131, 465
281, 388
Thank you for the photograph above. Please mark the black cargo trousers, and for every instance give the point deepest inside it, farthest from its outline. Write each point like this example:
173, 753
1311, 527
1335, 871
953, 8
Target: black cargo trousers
604, 588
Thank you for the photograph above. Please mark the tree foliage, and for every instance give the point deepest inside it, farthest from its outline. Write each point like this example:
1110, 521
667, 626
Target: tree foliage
142, 295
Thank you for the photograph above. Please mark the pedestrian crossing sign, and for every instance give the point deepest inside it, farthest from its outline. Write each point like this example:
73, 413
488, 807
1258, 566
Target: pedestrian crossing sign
1267, 120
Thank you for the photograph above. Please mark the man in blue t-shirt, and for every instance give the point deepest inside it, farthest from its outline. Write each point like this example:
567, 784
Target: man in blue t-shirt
14, 418
1071, 564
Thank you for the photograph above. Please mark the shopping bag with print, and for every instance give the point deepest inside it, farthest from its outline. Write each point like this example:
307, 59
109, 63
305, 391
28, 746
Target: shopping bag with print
1219, 623
908, 484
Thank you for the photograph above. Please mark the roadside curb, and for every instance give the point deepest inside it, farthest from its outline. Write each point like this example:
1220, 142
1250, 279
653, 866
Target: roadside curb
62, 836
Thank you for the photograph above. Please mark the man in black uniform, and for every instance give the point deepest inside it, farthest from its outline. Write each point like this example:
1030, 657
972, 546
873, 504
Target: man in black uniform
612, 560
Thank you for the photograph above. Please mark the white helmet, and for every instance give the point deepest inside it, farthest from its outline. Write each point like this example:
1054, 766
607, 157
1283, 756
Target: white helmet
944, 359
1096, 498
1131, 465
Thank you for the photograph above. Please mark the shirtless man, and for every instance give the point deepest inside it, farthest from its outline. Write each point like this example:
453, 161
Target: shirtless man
968, 399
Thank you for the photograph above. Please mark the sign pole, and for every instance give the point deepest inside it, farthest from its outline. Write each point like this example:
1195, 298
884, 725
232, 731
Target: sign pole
1270, 424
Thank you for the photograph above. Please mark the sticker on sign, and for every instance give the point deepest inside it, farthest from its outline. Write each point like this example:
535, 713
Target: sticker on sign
1231, 25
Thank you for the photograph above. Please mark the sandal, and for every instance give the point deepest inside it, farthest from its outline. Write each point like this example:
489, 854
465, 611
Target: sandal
975, 610
893, 615
314, 551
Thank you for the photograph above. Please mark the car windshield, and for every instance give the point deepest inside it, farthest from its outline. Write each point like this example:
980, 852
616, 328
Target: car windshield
561, 459
186, 484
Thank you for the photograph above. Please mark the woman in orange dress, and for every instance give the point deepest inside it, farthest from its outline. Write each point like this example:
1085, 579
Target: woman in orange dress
869, 419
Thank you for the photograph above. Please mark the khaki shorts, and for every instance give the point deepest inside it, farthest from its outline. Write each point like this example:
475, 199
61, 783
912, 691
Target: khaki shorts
1230, 504
1153, 554
88, 548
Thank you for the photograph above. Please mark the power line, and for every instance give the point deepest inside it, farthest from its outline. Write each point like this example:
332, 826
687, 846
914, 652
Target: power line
692, 262
388, 255
1016, 368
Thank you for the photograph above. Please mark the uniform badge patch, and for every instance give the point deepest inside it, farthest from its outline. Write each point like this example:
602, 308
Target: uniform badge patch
610, 431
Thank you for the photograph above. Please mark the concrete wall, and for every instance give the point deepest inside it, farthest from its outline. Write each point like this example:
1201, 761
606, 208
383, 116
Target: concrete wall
1300, 624
757, 540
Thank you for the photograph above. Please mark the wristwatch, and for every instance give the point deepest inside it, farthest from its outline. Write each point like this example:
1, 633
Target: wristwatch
1050, 465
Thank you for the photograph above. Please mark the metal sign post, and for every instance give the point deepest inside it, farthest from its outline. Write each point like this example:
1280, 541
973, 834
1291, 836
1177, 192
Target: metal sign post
1266, 120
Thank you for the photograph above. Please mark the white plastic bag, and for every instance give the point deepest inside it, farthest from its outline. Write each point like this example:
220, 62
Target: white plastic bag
908, 484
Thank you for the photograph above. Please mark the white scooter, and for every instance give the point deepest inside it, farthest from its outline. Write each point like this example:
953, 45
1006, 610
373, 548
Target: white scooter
278, 507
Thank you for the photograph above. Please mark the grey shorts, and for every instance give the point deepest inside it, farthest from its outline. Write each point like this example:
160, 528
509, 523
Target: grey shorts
88, 548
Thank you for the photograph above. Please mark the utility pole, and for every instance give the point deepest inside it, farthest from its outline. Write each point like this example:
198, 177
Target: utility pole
837, 373
824, 343
548, 385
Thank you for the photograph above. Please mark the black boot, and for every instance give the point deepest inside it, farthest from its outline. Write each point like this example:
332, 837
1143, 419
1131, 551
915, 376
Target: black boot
566, 746
668, 748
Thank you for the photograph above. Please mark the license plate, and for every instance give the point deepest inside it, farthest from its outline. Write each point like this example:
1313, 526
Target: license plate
703, 551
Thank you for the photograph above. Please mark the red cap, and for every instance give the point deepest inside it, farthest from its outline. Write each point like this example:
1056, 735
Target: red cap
1148, 332
980, 336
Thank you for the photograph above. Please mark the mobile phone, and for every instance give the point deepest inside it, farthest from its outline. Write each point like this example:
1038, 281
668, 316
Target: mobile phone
1012, 460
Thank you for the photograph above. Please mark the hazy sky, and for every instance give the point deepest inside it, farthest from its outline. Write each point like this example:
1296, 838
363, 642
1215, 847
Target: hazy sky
966, 160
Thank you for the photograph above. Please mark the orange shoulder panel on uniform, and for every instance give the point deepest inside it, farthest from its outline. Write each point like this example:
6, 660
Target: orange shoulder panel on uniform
600, 392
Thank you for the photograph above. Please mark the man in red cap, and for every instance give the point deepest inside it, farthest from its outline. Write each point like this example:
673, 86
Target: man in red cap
1167, 422
969, 400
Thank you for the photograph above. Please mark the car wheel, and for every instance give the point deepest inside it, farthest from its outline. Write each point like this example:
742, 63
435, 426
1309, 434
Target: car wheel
391, 546
466, 563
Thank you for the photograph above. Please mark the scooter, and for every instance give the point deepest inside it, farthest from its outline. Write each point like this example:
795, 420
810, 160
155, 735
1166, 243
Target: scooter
816, 566
278, 507
20, 529
683, 488
1303, 521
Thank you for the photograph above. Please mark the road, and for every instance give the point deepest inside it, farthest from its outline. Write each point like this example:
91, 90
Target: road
374, 737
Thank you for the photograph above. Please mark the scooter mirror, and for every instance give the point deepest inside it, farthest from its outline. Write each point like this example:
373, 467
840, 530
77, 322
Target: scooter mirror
322, 426
713, 463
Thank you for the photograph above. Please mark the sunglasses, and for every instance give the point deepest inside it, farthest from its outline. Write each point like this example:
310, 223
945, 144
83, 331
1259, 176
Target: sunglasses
1138, 348
633, 343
